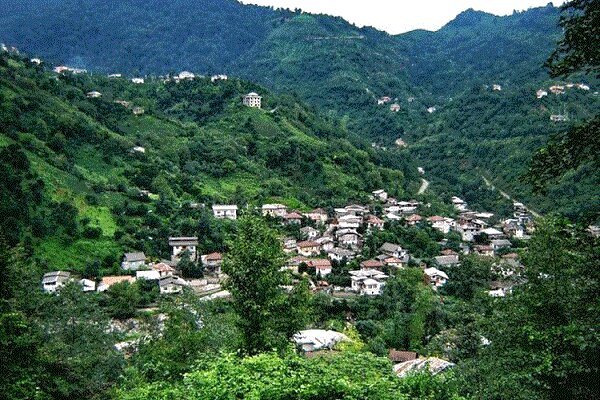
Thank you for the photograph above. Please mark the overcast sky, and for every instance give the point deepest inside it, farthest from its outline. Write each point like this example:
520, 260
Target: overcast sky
398, 16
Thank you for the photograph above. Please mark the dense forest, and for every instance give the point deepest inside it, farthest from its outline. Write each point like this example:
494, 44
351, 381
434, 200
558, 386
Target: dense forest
91, 171
343, 70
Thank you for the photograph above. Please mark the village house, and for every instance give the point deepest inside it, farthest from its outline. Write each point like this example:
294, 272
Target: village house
496, 87
138, 149
318, 215
292, 218
309, 248
108, 281
384, 100
322, 266
374, 223
435, 277
294, 262
557, 89
339, 254
225, 211
219, 77
395, 107
484, 250
391, 216
380, 195
252, 100
274, 210
356, 209
349, 222
393, 262
212, 262
393, 250
400, 356
348, 238
180, 244
35, 61
133, 261
541, 93
459, 204
372, 264
442, 224
185, 75
171, 285
149, 275
512, 228
289, 245
582, 86
431, 110
492, 233
115, 75
413, 220
87, 285
53, 281
93, 94
368, 282
164, 269
310, 233
448, 258
311, 340
326, 243
498, 244
401, 143
137, 80
124, 103
138, 111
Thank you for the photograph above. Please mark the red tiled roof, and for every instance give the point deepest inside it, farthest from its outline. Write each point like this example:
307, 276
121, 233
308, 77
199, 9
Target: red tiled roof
374, 220
449, 252
319, 264
293, 215
436, 218
162, 267
399, 356
414, 218
214, 256
308, 243
111, 280
371, 264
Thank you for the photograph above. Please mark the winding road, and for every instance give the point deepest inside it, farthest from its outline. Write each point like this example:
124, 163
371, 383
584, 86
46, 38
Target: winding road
424, 186
506, 195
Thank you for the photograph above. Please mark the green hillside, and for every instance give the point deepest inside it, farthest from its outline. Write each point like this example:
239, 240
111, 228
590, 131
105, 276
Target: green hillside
200, 146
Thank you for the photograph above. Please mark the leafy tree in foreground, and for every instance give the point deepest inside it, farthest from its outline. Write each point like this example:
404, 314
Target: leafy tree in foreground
577, 51
544, 338
253, 267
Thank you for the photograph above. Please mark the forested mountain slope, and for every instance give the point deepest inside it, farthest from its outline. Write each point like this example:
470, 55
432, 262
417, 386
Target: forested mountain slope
98, 172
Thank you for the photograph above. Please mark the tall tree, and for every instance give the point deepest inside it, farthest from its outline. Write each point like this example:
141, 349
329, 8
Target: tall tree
254, 280
578, 50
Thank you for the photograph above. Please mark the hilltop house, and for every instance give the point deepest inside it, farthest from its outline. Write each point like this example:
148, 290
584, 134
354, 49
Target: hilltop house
185, 75
181, 244
252, 100
133, 261
52, 281
225, 211
442, 224
326, 243
348, 238
380, 195
137, 80
350, 222
219, 77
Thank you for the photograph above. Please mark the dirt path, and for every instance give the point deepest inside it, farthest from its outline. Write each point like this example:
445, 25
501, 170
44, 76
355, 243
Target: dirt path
506, 195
